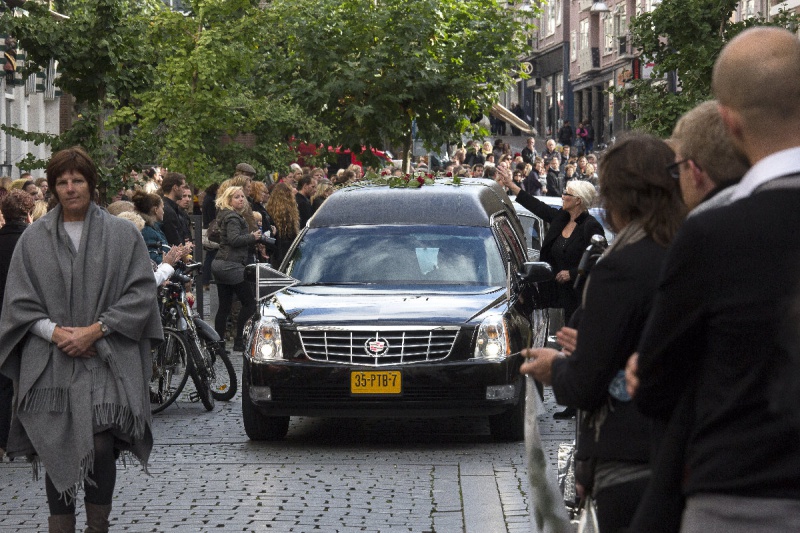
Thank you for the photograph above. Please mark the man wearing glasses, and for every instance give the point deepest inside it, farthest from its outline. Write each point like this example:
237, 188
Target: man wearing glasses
707, 163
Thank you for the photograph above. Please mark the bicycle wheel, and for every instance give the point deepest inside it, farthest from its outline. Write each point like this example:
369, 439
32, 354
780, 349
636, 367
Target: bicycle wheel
169, 371
223, 377
201, 370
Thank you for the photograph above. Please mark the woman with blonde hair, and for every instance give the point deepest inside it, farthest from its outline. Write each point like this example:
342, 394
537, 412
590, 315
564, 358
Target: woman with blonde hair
320, 195
236, 241
39, 210
282, 209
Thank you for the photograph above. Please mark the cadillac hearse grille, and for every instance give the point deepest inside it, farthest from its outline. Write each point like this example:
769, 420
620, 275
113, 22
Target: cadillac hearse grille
378, 346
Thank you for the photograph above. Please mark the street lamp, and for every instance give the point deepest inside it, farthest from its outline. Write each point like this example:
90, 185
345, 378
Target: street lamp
599, 7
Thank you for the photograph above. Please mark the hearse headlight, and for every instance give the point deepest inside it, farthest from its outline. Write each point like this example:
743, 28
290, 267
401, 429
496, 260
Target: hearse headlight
266, 344
492, 339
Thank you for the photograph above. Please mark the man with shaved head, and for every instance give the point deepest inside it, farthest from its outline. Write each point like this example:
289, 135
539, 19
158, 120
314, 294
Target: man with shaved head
714, 347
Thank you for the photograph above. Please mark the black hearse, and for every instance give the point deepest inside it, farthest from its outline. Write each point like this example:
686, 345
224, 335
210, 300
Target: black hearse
401, 302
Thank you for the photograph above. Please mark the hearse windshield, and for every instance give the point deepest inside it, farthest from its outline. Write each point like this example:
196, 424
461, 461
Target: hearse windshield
392, 255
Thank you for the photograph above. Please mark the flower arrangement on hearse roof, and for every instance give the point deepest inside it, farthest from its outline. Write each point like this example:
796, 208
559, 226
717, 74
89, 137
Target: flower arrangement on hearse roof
414, 180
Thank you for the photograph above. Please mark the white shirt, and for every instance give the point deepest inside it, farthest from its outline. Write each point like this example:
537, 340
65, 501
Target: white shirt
779, 164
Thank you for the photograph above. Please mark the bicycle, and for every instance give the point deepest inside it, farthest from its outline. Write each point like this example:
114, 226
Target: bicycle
190, 348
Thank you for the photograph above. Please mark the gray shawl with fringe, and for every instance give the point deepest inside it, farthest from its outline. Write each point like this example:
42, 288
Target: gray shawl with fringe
59, 399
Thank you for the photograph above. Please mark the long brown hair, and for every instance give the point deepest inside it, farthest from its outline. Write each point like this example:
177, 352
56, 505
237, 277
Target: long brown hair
282, 209
635, 186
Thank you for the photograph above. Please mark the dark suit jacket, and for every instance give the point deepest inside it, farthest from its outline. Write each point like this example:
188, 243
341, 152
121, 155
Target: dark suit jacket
619, 295
174, 225
727, 285
305, 209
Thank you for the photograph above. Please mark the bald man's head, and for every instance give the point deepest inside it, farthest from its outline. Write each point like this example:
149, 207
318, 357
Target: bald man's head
758, 76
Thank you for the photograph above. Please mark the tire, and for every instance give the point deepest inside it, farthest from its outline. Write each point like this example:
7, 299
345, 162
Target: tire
257, 426
510, 426
201, 372
170, 364
223, 384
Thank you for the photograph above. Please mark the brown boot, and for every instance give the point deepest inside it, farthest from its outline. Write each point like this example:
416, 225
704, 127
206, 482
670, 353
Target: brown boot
61, 523
97, 518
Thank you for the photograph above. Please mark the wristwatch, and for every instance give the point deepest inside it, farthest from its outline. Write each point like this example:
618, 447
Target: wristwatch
103, 328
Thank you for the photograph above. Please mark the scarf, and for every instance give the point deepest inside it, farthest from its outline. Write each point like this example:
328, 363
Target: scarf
61, 400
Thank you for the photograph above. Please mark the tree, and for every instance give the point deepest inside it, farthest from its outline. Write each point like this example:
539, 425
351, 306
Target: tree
203, 89
103, 59
683, 37
368, 68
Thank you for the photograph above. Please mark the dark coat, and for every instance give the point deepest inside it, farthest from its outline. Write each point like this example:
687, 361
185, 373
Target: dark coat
9, 235
209, 209
555, 183
619, 296
724, 294
304, 207
174, 225
562, 294
236, 238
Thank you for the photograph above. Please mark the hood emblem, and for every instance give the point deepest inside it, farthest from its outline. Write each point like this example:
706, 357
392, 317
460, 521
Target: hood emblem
376, 346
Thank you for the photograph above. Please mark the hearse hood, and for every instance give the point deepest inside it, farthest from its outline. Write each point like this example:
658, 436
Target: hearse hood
317, 306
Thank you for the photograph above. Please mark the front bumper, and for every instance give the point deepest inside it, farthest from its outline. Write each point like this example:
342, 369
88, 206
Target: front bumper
443, 389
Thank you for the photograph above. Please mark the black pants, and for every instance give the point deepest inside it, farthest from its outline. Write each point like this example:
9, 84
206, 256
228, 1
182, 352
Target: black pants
617, 504
104, 476
243, 291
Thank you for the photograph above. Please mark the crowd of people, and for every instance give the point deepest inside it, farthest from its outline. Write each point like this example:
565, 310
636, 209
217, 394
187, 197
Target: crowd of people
681, 351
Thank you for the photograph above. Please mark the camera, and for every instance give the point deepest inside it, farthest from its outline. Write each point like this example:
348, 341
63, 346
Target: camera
266, 240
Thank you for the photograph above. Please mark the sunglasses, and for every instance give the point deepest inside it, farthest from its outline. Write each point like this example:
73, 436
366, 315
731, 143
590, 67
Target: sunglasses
568, 194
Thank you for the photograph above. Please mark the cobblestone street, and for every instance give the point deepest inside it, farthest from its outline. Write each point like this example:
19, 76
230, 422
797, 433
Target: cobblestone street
328, 475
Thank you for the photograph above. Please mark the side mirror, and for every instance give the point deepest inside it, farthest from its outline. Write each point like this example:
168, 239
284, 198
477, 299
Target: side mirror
268, 281
536, 271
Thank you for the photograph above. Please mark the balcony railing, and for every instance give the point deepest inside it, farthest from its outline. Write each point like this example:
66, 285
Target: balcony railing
588, 60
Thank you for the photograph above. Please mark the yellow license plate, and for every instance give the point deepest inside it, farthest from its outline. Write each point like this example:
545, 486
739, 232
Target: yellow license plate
376, 382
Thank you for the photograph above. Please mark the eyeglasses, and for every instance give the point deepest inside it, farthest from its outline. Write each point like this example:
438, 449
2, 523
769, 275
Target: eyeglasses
675, 168
568, 194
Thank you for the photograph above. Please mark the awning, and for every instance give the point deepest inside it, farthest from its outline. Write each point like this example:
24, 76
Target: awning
503, 113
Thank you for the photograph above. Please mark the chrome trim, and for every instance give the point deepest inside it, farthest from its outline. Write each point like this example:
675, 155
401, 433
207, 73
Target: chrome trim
407, 344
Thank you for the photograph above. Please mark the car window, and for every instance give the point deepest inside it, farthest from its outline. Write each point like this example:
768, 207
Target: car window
398, 255
509, 241
533, 230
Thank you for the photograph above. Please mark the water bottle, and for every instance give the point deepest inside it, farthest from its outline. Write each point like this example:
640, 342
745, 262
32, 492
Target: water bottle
617, 388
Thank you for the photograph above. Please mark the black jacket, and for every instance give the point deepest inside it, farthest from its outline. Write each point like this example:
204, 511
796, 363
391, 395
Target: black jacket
724, 294
9, 235
304, 207
619, 296
174, 225
581, 236
555, 182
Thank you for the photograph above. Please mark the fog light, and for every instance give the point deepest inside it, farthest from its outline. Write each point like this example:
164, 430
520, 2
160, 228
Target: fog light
500, 392
260, 394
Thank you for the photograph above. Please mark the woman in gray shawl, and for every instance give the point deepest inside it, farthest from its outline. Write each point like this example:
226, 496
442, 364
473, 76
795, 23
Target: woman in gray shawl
79, 317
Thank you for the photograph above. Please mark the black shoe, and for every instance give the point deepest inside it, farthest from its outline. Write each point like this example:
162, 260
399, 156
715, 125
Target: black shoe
566, 414
238, 345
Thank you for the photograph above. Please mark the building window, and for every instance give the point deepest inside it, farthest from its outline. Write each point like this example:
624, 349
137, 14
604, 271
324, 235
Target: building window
608, 34
583, 27
748, 9
620, 20
557, 7
550, 13
573, 45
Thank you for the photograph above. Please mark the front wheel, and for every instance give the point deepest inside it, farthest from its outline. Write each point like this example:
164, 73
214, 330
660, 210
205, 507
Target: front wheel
170, 363
223, 386
256, 425
201, 371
